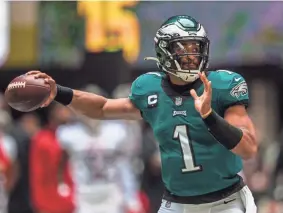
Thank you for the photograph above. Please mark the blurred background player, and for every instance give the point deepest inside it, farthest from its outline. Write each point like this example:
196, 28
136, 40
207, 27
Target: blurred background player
14, 161
51, 182
101, 156
9, 168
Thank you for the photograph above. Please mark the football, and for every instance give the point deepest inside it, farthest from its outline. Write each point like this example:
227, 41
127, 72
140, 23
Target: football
25, 93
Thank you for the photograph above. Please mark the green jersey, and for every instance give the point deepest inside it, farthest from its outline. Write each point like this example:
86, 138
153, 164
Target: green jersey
193, 161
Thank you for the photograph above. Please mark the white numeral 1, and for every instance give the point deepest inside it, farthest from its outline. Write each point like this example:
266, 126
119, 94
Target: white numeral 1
181, 134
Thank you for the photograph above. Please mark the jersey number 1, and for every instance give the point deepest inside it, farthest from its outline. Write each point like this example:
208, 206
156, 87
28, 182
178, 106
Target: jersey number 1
181, 134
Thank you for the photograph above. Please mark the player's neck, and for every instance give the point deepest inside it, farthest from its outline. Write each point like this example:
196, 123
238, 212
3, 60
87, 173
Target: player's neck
177, 81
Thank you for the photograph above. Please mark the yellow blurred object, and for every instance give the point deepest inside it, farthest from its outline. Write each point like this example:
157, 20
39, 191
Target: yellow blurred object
23, 34
110, 27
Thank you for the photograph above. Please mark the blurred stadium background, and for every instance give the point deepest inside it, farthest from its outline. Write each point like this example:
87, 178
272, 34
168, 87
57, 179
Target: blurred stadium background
99, 46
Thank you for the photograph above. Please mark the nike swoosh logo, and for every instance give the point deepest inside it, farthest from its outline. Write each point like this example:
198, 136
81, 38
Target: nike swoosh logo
228, 201
237, 79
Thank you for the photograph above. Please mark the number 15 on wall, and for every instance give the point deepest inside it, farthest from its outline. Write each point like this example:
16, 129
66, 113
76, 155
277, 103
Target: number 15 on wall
110, 27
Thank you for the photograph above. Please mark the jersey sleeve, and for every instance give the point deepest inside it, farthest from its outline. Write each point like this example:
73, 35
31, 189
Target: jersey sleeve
144, 92
234, 92
143, 86
136, 93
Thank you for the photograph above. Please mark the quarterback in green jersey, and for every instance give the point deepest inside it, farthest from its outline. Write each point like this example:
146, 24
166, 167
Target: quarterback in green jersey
198, 116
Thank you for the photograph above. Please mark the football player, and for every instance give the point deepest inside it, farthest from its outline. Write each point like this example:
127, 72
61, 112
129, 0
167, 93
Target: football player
198, 116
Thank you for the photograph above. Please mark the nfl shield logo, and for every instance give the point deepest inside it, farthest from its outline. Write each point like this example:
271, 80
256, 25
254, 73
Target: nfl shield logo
168, 204
178, 101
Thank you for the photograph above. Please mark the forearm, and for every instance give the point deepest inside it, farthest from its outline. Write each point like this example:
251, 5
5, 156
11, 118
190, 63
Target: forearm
88, 104
236, 139
247, 146
96, 106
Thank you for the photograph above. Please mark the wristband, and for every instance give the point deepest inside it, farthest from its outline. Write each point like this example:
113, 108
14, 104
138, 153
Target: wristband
225, 133
64, 95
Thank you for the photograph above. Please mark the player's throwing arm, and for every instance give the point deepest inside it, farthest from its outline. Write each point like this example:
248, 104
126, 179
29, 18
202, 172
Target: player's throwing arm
89, 104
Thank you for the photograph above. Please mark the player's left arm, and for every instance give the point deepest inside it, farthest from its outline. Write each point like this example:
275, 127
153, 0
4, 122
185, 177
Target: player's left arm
238, 117
235, 131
